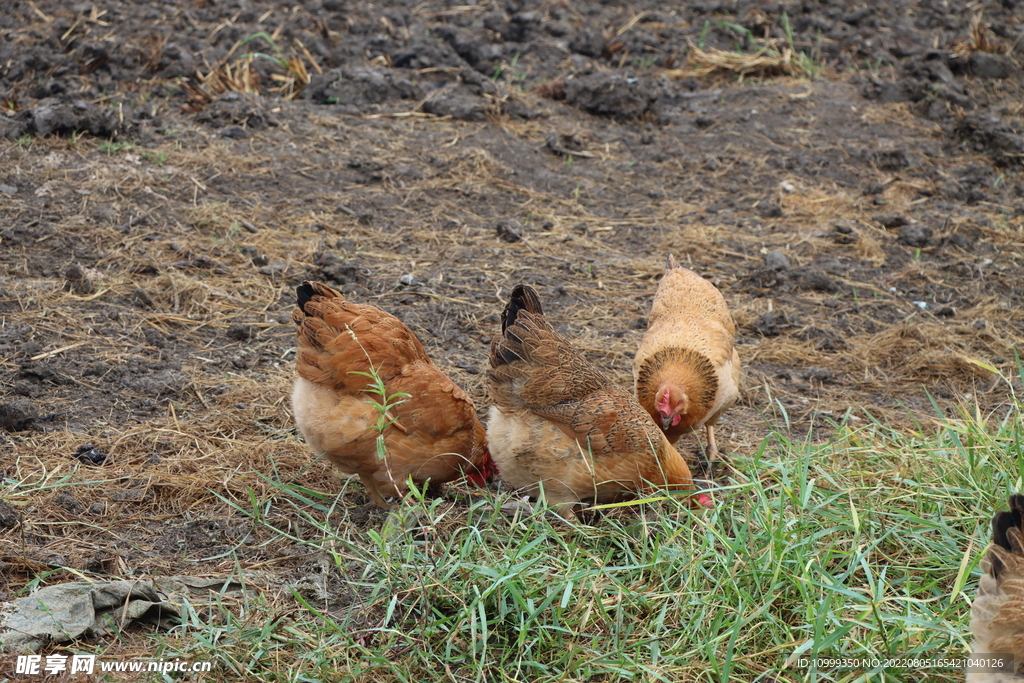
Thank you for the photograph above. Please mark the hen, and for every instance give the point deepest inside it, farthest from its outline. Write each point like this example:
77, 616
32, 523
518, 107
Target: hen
686, 370
997, 614
433, 434
558, 422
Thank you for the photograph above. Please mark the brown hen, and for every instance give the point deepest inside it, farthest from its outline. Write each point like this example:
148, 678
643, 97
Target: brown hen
687, 370
434, 433
559, 423
997, 614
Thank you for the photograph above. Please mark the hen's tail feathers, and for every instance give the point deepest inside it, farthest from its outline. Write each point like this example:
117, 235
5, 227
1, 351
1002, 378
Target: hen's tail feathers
1007, 533
523, 298
671, 263
307, 290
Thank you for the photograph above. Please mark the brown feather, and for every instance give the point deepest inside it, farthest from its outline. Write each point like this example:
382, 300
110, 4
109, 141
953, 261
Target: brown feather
997, 613
561, 424
434, 433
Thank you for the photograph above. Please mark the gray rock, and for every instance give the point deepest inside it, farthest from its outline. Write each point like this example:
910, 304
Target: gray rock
776, 260
915, 235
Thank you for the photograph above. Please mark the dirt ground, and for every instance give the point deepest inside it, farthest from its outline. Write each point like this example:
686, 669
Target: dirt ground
167, 176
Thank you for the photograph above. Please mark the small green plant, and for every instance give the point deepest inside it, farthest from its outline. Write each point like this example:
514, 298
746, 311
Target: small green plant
25, 141
153, 157
382, 401
703, 34
110, 147
276, 58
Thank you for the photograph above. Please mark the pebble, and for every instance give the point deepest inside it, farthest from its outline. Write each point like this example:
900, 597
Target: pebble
241, 332
8, 189
776, 260
915, 235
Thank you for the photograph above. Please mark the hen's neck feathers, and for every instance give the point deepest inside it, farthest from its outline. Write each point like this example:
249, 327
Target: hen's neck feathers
687, 369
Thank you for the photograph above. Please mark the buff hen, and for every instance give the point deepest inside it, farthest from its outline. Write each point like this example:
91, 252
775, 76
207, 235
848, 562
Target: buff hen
557, 422
687, 370
433, 434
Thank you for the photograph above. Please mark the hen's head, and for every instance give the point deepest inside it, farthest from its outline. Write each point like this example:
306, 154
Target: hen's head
485, 469
672, 404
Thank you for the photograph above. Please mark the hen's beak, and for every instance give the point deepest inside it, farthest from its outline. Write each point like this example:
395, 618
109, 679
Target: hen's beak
666, 422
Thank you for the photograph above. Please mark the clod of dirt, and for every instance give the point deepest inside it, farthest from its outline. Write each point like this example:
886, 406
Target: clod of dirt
458, 102
241, 332
845, 234
242, 109
772, 324
915, 235
605, 94
817, 281
962, 241
88, 454
776, 260
704, 122
134, 495
509, 231
9, 517
361, 88
994, 135
140, 297
68, 502
234, 132
588, 42
565, 144
52, 115
17, 415
816, 373
334, 270
892, 220
985, 65
824, 340
945, 312
79, 279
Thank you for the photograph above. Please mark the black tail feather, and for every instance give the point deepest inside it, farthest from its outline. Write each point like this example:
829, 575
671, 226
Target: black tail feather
1002, 522
523, 298
304, 294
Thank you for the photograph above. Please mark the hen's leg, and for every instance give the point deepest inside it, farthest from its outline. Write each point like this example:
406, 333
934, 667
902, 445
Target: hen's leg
371, 488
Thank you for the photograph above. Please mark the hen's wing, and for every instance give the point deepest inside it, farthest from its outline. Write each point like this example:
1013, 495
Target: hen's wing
338, 339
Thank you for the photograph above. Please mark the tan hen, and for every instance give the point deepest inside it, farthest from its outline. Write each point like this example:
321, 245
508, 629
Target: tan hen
687, 370
558, 422
434, 434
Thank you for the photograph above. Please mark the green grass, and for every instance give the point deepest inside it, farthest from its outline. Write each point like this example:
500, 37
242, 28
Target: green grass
864, 545
109, 147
